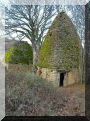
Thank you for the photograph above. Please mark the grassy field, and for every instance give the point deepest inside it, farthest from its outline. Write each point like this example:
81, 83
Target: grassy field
29, 95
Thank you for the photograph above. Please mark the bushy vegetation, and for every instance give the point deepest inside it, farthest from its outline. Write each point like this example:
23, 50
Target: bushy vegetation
28, 94
21, 52
61, 48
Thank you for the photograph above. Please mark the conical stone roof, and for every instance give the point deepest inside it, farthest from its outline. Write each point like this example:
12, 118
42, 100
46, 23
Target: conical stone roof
61, 47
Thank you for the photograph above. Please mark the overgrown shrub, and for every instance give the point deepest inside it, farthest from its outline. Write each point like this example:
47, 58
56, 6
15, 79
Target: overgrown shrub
29, 95
21, 52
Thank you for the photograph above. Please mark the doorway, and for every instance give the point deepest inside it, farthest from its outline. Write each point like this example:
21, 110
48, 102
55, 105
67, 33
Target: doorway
61, 83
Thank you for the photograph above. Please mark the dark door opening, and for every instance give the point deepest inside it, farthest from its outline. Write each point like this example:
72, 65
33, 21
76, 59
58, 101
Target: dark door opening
61, 79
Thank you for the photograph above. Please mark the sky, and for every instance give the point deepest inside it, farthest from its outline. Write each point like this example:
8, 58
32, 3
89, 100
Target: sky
5, 2
74, 2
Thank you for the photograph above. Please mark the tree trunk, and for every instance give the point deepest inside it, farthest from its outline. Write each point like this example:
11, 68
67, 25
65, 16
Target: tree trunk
35, 58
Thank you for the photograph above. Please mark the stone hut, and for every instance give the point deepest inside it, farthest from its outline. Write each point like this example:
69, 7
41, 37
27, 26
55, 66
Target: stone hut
59, 58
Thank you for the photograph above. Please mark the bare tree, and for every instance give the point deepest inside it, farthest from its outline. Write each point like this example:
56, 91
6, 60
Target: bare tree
78, 16
30, 21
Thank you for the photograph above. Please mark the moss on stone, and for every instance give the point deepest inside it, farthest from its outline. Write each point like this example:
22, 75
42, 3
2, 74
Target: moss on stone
61, 48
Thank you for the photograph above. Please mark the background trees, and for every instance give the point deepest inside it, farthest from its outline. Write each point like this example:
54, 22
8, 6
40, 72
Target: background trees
21, 52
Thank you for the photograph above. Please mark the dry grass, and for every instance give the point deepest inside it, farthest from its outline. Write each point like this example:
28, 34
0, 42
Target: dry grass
19, 68
29, 95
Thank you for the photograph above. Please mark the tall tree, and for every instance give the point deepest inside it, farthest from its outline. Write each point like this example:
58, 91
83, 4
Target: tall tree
30, 21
